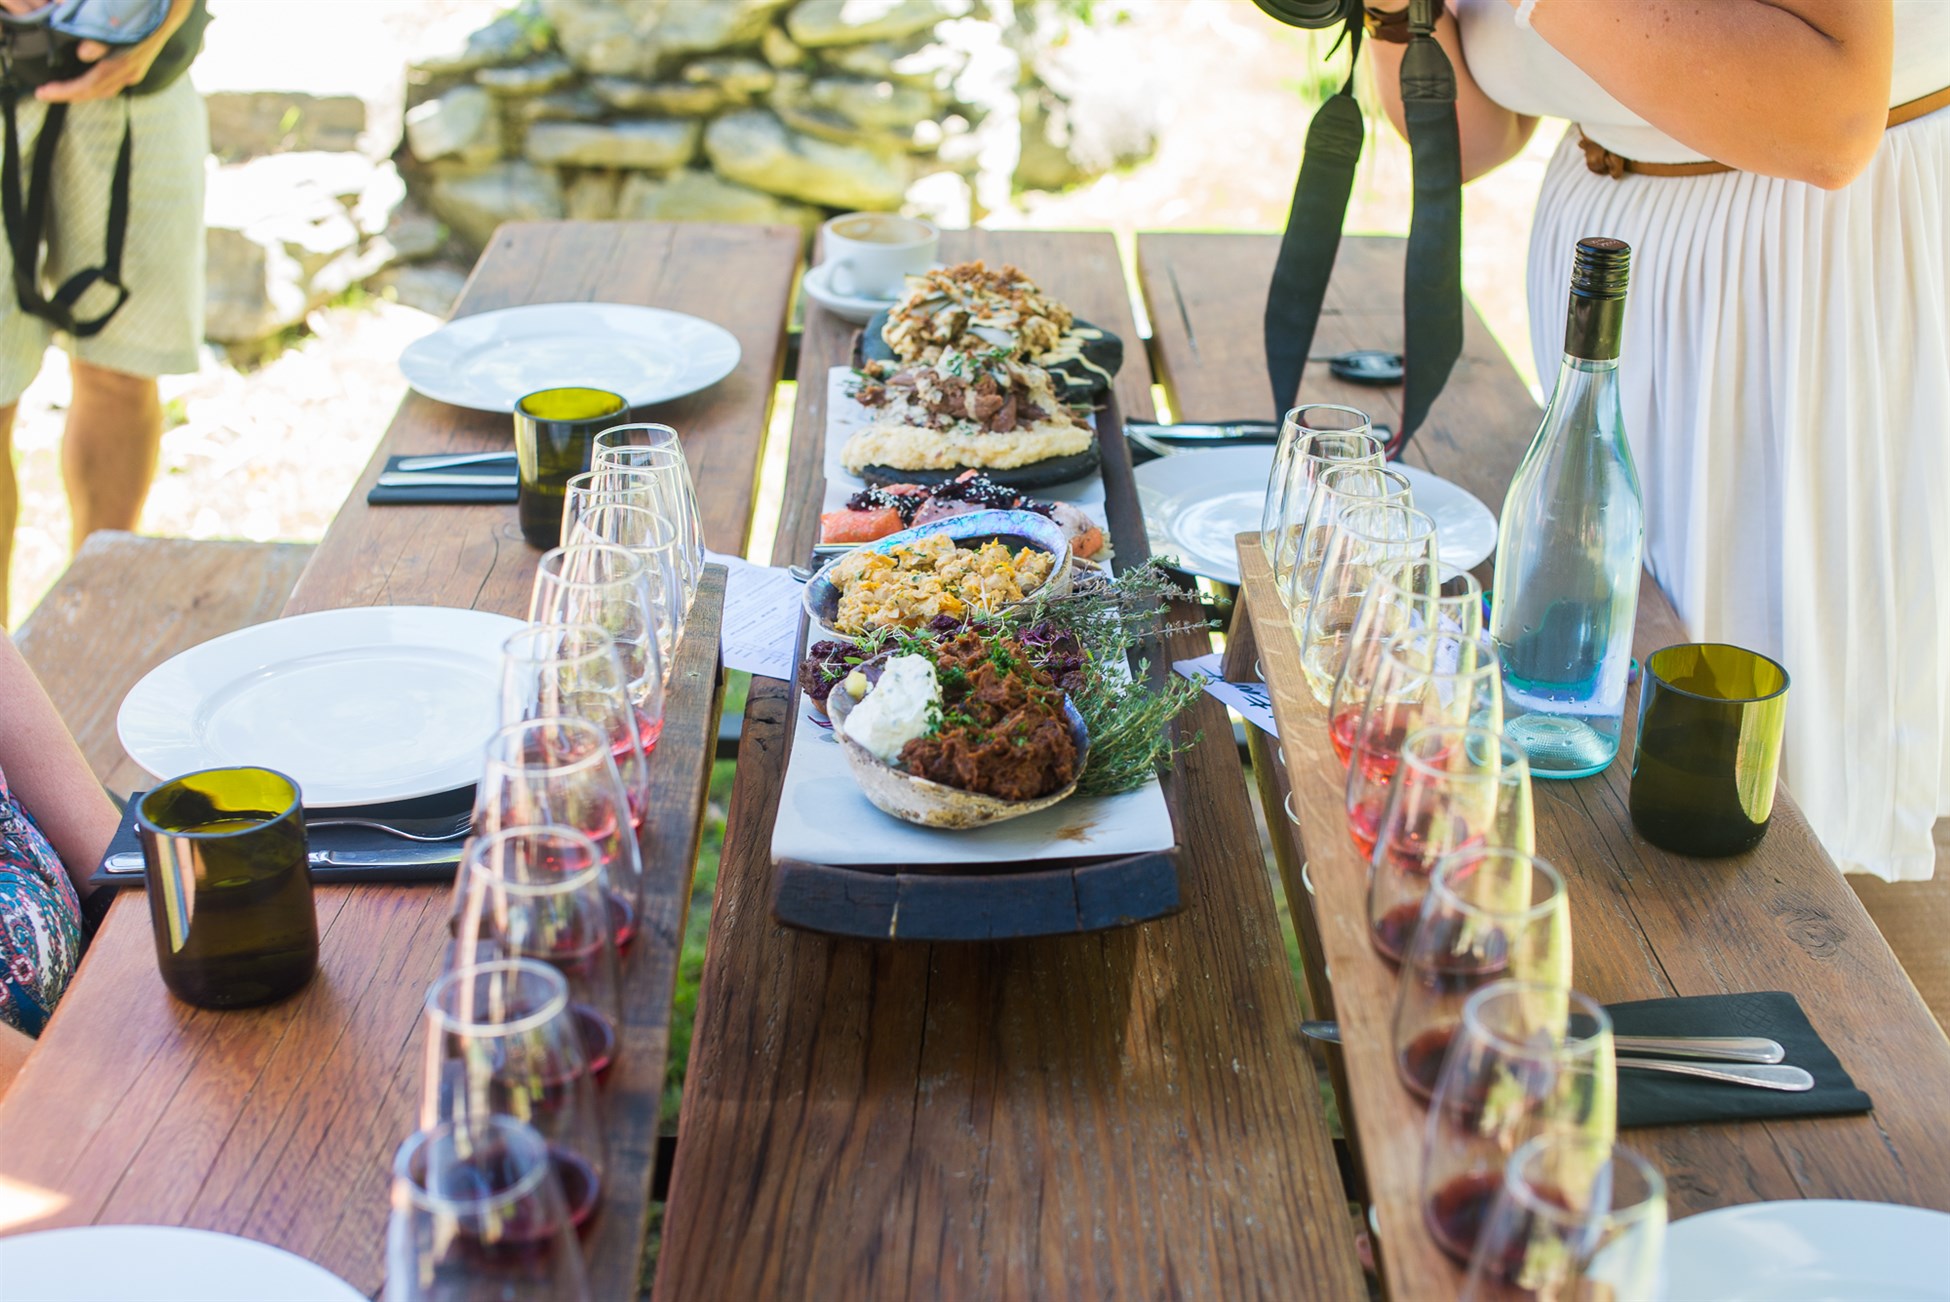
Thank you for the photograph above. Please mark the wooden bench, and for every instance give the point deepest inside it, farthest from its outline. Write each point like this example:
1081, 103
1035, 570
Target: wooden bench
129, 602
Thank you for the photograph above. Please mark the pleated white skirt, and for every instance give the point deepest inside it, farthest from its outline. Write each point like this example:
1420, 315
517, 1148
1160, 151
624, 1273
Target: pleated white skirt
1786, 375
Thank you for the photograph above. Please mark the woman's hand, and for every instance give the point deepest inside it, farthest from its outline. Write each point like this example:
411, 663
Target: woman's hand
1791, 88
112, 73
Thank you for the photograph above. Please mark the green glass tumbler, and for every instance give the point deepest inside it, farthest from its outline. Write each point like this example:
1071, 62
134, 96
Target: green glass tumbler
1709, 748
229, 886
555, 430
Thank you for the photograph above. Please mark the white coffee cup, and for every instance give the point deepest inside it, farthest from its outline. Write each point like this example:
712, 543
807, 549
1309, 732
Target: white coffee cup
872, 253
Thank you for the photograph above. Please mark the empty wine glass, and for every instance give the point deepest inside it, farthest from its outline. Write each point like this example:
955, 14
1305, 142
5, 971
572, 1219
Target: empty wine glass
1321, 435
1491, 914
537, 893
552, 671
1427, 677
1407, 596
1340, 487
1529, 1059
478, 1215
502, 1041
1365, 538
1456, 788
608, 586
653, 540
1577, 1220
560, 773
652, 446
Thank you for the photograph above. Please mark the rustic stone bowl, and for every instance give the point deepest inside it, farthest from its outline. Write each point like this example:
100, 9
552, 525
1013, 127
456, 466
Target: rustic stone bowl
915, 799
1015, 528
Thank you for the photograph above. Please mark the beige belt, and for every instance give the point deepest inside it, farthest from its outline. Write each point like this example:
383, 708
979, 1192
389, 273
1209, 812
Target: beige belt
1605, 163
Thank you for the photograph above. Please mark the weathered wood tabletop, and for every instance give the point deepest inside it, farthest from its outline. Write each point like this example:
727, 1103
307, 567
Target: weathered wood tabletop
1127, 1113
1645, 923
279, 1123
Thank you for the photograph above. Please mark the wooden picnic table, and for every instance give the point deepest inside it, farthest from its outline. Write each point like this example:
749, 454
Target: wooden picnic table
1645, 923
279, 1123
1129, 1112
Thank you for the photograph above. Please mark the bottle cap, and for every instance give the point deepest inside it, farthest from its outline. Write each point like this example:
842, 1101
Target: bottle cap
1600, 267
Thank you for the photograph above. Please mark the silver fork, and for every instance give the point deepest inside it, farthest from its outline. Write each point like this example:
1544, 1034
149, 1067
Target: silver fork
450, 830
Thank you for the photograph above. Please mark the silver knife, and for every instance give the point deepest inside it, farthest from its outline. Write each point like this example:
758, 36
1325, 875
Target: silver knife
394, 479
1720, 1048
1242, 431
446, 459
130, 861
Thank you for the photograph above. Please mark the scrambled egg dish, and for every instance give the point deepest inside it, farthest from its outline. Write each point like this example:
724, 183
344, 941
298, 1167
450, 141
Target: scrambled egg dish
909, 585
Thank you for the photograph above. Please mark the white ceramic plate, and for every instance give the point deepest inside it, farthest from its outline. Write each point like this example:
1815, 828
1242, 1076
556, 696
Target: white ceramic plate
359, 705
1812, 1251
818, 285
492, 359
155, 1263
1196, 502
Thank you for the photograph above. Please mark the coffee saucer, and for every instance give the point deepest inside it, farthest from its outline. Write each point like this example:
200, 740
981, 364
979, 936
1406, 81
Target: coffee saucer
847, 307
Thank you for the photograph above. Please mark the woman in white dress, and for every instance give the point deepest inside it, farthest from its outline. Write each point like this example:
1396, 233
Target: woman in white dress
1786, 361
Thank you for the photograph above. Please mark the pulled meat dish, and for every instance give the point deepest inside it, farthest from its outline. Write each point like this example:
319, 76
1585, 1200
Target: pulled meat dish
1003, 730
971, 306
984, 390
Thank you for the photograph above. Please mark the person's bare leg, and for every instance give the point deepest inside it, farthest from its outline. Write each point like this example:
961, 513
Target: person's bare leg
108, 456
9, 503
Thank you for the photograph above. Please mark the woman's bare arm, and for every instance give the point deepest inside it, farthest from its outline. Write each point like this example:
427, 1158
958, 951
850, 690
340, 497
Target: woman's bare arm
1793, 88
47, 772
1491, 134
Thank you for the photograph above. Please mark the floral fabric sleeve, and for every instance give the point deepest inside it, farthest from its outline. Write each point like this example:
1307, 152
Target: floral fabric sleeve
40, 920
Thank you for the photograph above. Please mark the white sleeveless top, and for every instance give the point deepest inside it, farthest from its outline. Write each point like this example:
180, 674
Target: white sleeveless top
1521, 71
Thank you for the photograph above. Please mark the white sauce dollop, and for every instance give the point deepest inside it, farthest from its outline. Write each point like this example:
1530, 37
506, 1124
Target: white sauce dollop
896, 711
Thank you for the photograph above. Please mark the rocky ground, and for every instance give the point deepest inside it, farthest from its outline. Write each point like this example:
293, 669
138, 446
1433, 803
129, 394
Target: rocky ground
270, 452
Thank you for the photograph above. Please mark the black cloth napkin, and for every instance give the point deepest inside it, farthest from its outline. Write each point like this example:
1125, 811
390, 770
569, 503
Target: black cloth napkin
446, 494
446, 804
1657, 1099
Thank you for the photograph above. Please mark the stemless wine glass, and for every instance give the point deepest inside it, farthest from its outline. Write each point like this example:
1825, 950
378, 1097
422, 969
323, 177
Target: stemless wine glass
658, 447
1323, 435
1361, 541
1491, 914
1408, 595
1340, 486
501, 1041
572, 671
1576, 1220
1529, 1059
478, 1216
1456, 788
560, 773
652, 540
537, 893
608, 586
1427, 677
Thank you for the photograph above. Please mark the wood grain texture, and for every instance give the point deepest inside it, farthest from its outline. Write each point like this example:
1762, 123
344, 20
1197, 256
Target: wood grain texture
1127, 1113
1645, 923
279, 1123
128, 602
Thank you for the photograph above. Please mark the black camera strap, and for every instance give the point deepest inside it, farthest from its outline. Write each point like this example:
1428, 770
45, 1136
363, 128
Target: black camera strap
1432, 307
26, 214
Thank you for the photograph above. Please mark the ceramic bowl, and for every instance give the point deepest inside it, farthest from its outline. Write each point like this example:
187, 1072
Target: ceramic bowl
971, 528
917, 800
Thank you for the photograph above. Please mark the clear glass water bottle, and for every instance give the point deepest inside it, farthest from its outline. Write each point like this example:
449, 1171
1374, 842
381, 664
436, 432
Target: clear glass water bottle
1571, 543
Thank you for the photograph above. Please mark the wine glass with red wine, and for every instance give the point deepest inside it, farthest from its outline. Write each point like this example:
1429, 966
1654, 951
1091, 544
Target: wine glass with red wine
1427, 677
611, 587
478, 1216
561, 772
1407, 595
1577, 1220
1491, 914
501, 1040
1528, 1059
555, 671
537, 893
1456, 788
